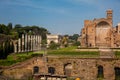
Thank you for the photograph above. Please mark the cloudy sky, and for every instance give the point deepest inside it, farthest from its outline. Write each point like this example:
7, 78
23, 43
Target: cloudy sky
58, 16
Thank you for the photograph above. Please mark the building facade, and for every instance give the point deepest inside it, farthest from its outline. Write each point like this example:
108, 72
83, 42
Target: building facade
100, 32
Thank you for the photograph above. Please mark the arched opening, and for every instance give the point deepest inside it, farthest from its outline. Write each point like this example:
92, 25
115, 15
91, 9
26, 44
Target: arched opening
51, 42
117, 73
68, 69
35, 69
100, 72
103, 34
51, 70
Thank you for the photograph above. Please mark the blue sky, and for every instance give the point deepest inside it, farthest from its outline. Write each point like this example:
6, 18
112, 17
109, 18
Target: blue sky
58, 16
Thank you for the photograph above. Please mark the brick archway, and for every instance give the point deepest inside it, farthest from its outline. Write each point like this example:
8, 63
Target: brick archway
51, 70
100, 72
68, 69
35, 69
117, 73
103, 37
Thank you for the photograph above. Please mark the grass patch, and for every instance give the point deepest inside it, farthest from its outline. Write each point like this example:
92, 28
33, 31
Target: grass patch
18, 57
88, 48
70, 51
63, 52
117, 53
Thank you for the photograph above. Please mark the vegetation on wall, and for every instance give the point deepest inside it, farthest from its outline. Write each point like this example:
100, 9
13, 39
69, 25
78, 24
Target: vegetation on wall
16, 58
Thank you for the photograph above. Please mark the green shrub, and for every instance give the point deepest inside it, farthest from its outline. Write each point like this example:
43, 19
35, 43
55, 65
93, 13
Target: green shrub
73, 53
53, 45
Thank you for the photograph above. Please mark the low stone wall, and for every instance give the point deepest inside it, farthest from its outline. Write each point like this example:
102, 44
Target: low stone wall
23, 74
25, 70
84, 68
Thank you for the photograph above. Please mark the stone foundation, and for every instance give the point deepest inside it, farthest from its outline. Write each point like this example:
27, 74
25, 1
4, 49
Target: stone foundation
84, 68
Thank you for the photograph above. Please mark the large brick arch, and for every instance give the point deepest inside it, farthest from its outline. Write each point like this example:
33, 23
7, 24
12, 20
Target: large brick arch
100, 72
103, 31
68, 69
117, 73
102, 23
103, 20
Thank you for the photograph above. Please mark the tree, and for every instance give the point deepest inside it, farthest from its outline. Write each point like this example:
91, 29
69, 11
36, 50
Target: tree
9, 26
18, 26
53, 45
4, 29
74, 37
65, 41
76, 43
19, 29
40, 30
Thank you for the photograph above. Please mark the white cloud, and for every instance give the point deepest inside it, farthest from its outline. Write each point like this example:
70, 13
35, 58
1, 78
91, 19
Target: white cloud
83, 1
26, 3
35, 5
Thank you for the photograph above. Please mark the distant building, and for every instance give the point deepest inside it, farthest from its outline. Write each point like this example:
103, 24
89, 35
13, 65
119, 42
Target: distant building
100, 32
54, 38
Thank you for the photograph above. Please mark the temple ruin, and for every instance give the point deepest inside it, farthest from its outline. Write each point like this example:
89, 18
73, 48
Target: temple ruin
100, 32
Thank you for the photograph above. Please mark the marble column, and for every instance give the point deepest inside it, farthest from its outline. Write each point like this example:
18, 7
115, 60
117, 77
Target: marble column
37, 43
31, 42
19, 45
15, 46
28, 43
23, 42
34, 42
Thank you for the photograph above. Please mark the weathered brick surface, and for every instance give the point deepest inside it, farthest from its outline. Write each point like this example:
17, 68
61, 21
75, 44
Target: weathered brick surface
85, 68
100, 32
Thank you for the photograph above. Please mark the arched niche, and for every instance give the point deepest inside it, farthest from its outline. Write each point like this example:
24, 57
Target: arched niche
100, 72
35, 69
117, 73
51, 70
103, 34
68, 69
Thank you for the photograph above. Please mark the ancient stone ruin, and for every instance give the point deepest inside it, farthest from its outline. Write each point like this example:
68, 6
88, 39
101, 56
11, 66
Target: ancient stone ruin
97, 33
27, 43
100, 32
84, 68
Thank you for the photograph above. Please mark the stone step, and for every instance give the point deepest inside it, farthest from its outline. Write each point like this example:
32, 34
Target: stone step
106, 53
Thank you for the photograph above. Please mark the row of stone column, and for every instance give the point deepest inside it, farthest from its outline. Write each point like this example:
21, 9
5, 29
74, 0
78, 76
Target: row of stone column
27, 43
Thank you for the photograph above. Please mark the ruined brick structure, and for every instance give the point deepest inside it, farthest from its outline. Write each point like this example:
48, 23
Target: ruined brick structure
84, 68
100, 32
